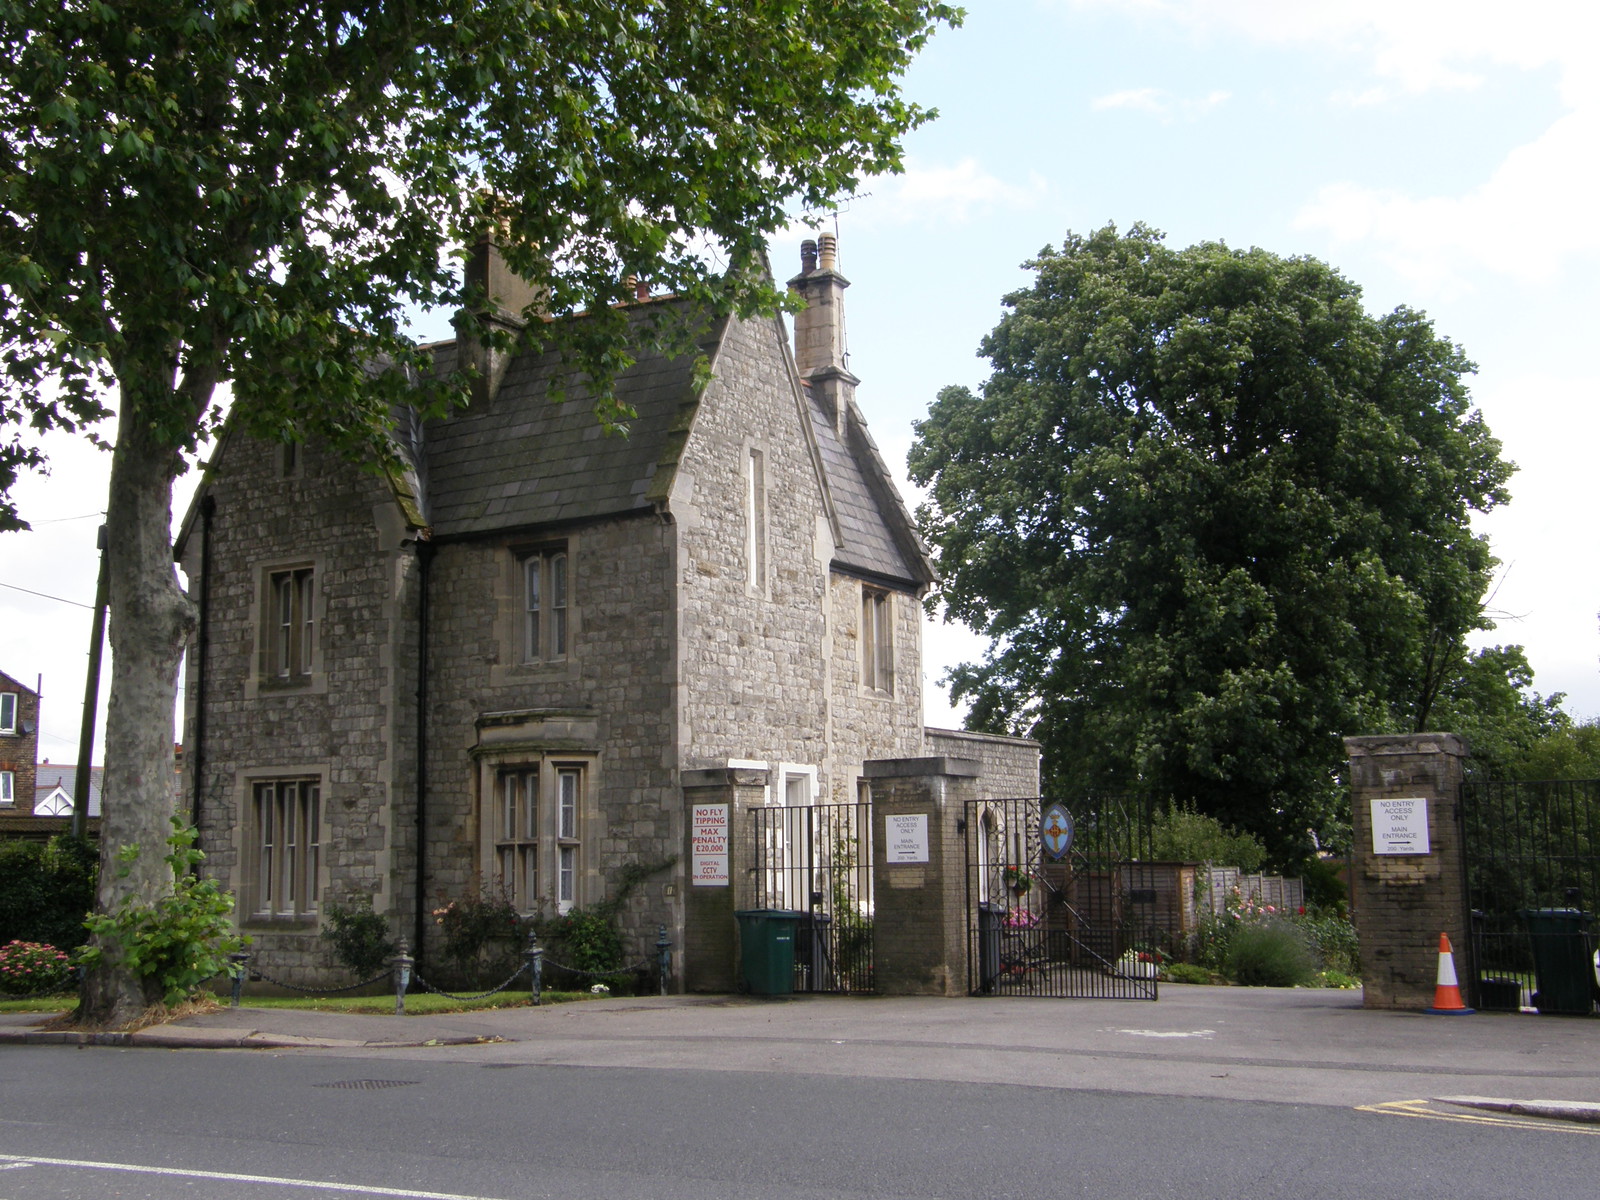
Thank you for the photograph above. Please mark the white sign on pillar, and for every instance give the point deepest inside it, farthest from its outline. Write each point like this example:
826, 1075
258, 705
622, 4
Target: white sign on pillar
1400, 825
906, 838
708, 845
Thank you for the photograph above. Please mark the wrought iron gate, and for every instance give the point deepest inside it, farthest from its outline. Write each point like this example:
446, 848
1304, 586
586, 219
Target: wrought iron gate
817, 860
1532, 859
1079, 925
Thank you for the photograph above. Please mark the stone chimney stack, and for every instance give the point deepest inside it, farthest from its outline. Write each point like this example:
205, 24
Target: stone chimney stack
819, 341
505, 300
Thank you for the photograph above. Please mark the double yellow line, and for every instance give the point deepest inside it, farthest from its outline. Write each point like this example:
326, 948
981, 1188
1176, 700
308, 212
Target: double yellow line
1425, 1110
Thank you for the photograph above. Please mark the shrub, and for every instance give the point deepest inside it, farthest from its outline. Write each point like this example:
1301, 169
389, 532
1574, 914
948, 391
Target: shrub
47, 890
34, 969
474, 924
588, 943
1333, 941
1269, 954
181, 940
1185, 973
358, 937
1182, 835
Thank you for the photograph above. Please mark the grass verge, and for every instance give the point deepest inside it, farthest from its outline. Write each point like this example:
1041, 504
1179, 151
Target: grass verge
417, 1003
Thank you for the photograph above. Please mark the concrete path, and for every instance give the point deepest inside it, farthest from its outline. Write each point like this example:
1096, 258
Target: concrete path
1276, 1045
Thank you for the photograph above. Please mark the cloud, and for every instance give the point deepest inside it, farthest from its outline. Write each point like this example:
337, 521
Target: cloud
1531, 216
940, 194
1528, 219
1147, 99
1418, 45
1161, 103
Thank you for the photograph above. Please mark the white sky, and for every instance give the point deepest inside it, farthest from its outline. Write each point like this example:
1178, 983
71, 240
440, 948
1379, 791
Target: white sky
1442, 155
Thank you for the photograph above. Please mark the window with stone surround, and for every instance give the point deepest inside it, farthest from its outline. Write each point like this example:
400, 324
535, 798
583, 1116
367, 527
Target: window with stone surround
755, 519
546, 604
289, 625
8, 712
283, 857
877, 640
537, 831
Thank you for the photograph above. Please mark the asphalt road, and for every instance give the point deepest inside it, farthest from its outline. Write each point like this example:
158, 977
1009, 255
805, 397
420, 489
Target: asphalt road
131, 1123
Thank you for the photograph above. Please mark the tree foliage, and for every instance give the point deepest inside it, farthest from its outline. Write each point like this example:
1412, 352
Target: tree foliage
261, 192
1489, 700
1213, 515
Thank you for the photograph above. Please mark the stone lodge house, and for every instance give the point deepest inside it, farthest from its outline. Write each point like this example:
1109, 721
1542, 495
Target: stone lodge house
510, 664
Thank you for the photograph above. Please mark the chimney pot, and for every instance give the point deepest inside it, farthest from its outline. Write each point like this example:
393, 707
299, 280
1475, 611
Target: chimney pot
641, 290
808, 256
827, 251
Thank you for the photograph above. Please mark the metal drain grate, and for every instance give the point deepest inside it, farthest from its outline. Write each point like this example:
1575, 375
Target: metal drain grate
368, 1085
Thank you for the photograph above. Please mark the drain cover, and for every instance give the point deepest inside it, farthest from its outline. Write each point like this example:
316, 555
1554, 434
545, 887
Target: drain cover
368, 1085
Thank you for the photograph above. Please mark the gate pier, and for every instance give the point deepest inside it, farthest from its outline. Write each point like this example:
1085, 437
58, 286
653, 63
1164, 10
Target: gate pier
921, 935
1407, 892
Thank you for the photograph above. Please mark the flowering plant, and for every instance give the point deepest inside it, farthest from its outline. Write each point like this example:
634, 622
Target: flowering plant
1017, 879
33, 968
1020, 918
600, 989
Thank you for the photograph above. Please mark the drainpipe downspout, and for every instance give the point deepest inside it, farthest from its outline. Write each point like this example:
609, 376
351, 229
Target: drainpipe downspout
202, 645
424, 573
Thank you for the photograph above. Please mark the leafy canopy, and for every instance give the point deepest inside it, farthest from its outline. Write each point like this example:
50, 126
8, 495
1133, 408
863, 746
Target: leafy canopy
262, 191
1214, 516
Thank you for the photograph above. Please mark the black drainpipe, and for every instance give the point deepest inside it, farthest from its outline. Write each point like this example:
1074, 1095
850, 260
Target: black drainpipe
202, 644
424, 564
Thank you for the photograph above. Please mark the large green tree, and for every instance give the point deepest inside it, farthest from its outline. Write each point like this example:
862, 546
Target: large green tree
1213, 515
260, 191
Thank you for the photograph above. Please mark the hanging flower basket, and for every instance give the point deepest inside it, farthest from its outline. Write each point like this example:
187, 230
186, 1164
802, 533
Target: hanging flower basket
1017, 880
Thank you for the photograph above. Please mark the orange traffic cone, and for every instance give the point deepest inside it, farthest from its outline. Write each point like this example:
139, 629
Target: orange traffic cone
1447, 993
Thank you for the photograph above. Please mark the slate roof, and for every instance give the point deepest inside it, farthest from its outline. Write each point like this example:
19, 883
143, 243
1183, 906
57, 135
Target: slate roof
869, 511
65, 776
520, 461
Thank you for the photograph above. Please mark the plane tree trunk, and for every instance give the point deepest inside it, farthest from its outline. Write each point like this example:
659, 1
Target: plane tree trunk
151, 619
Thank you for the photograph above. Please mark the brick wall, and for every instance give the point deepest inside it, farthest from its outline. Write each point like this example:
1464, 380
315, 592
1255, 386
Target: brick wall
1403, 902
919, 923
19, 751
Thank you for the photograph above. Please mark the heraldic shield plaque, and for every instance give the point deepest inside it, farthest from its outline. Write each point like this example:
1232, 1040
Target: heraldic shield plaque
1055, 831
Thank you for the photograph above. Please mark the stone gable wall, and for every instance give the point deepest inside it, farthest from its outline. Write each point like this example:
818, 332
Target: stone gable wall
754, 677
351, 726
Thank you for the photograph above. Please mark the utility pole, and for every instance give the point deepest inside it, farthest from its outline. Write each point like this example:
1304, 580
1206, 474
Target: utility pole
91, 698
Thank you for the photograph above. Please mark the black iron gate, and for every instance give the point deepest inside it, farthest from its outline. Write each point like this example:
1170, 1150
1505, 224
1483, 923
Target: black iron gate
816, 860
1532, 859
1081, 924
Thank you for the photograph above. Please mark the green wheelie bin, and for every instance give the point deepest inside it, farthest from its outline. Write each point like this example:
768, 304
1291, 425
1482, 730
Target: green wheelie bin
766, 949
1561, 950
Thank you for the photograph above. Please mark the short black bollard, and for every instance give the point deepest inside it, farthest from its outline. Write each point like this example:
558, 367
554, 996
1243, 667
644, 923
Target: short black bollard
663, 957
401, 965
238, 968
535, 956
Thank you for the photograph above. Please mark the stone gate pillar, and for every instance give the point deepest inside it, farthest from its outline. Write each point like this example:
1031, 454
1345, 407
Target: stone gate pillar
724, 795
919, 873
1407, 890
